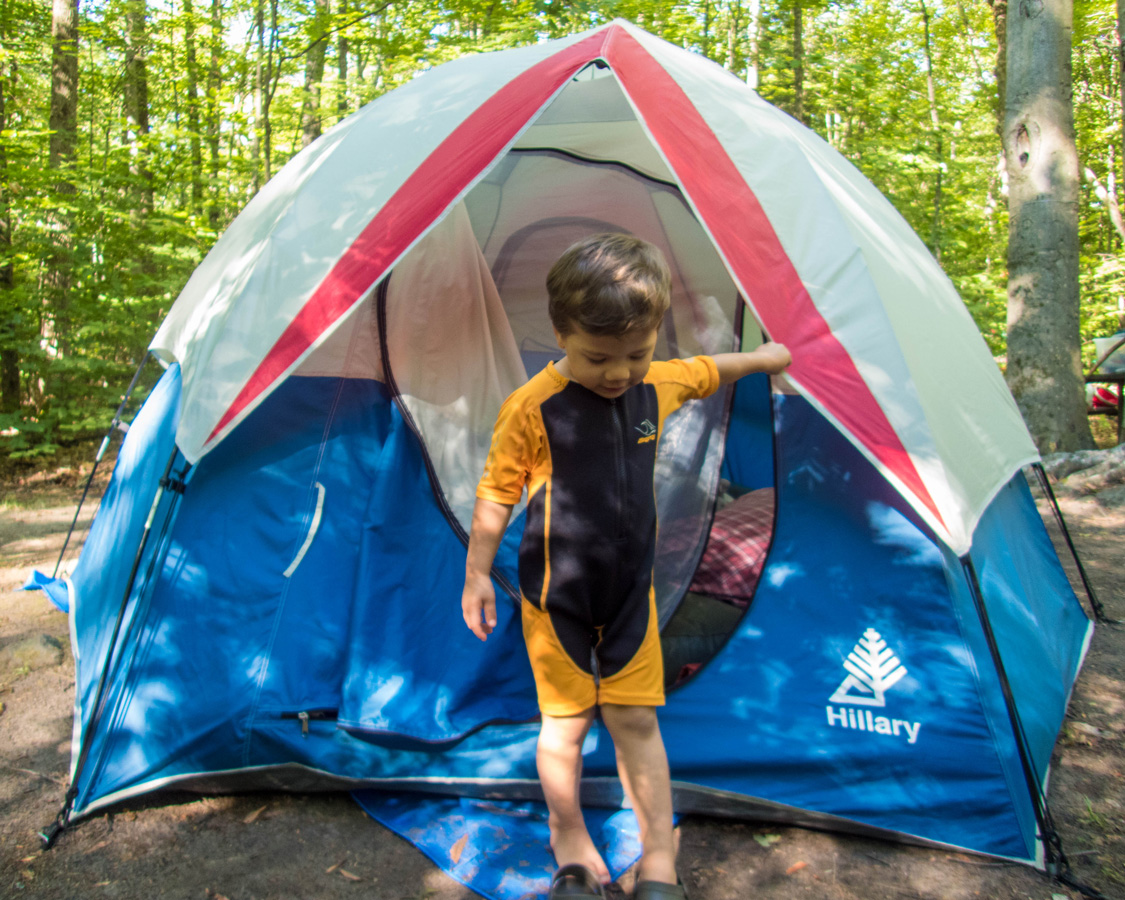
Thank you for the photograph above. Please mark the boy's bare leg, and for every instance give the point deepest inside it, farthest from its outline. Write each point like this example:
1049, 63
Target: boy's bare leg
559, 759
642, 764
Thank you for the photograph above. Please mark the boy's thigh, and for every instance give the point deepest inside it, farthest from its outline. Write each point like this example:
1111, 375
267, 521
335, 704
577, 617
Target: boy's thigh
567, 678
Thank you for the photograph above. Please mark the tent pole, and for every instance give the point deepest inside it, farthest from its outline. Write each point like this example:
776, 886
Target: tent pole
1057, 865
115, 425
1095, 603
51, 834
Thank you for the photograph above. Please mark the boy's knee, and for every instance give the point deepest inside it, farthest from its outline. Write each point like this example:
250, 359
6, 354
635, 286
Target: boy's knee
637, 722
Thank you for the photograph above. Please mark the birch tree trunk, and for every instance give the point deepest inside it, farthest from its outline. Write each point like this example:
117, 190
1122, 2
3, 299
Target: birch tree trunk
754, 32
1044, 367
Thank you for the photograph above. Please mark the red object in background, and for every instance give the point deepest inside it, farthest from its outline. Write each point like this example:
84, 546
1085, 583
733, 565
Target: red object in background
1103, 399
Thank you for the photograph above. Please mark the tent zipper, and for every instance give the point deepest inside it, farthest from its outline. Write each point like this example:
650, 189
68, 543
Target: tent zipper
305, 716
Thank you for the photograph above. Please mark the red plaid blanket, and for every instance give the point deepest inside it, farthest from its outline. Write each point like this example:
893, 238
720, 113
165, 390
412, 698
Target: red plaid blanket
736, 549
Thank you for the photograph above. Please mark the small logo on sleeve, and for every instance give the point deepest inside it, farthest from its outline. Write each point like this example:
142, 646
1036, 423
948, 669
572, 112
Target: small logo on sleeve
647, 430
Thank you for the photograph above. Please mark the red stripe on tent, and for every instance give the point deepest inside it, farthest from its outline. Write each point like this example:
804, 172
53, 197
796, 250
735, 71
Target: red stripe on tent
744, 234
414, 207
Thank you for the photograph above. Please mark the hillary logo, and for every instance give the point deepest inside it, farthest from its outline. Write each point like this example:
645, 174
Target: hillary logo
873, 669
647, 430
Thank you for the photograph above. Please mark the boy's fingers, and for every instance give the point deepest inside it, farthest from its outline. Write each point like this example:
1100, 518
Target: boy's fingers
479, 614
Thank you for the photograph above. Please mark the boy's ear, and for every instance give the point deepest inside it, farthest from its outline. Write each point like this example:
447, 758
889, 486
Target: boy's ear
559, 338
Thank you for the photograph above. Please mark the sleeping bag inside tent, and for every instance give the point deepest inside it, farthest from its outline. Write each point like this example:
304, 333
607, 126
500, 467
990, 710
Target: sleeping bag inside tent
865, 624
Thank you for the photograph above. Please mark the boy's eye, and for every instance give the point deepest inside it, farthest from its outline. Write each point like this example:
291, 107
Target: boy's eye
638, 356
596, 360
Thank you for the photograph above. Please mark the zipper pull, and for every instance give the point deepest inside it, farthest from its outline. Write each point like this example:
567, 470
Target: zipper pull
304, 718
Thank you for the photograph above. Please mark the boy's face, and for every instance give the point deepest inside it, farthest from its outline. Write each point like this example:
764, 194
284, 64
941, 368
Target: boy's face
605, 364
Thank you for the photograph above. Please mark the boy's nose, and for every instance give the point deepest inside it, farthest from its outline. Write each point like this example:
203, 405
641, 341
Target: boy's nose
617, 372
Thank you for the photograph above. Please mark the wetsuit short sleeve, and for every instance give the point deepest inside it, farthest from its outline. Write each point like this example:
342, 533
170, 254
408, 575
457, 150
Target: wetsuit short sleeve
512, 454
679, 380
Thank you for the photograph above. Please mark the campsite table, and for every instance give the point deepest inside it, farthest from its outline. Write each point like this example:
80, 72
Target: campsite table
1118, 379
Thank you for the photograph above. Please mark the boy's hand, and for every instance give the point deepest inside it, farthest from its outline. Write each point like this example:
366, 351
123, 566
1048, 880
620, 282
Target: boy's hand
478, 606
775, 357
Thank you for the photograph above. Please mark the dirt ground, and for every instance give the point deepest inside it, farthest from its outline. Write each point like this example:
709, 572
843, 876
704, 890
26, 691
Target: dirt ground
267, 846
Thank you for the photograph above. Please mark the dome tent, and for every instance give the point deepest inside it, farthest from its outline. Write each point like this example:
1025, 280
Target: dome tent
268, 597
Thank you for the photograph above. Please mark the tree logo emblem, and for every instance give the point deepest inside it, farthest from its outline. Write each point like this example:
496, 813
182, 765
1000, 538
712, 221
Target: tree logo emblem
872, 668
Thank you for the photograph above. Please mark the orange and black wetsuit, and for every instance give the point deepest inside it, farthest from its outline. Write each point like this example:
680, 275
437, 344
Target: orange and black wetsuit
585, 562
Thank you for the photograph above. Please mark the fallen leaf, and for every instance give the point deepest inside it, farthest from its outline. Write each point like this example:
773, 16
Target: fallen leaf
333, 868
28, 859
215, 895
767, 840
348, 875
96, 847
796, 867
103, 884
254, 815
458, 848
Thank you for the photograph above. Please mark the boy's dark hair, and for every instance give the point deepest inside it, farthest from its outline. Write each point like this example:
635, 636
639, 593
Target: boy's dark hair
608, 284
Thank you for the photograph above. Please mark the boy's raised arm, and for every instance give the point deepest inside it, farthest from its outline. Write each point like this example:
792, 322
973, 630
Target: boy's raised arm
478, 599
770, 358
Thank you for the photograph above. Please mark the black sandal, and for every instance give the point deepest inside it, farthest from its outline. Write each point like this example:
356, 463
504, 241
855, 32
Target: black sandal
577, 882
659, 890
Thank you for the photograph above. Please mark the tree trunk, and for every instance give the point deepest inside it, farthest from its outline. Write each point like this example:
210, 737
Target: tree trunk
734, 26
192, 79
342, 65
1044, 367
705, 42
136, 95
9, 352
314, 74
754, 32
1121, 79
798, 64
214, 85
1000, 21
63, 124
935, 123
259, 95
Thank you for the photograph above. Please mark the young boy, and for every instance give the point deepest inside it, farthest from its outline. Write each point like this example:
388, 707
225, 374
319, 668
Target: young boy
581, 436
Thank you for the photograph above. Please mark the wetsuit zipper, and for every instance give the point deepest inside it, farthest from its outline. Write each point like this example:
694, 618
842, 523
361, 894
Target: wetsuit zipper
619, 460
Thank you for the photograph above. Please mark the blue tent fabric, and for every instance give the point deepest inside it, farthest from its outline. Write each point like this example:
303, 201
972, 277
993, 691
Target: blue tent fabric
305, 584
498, 848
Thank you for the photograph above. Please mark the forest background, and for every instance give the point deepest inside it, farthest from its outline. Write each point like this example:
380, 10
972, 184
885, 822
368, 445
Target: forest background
133, 131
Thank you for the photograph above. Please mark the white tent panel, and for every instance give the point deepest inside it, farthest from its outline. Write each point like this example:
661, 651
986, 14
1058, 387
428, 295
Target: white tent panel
288, 238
